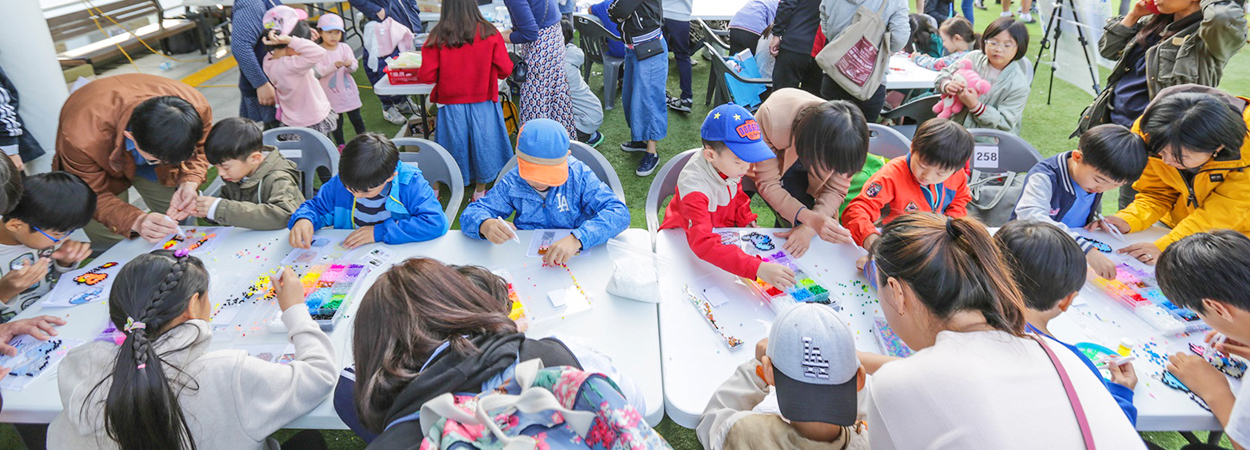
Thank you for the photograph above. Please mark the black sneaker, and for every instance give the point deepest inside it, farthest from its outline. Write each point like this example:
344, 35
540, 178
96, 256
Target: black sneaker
681, 105
647, 165
634, 146
595, 139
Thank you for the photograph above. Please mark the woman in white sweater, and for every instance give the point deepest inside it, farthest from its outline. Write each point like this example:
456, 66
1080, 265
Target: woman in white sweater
976, 381
162, 389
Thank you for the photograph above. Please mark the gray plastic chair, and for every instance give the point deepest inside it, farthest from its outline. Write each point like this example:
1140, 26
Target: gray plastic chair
716, 47
887, 142
437, 166
1014, 153
593, 39
720, 90
591, 157
917, 111
312, 152
663, 187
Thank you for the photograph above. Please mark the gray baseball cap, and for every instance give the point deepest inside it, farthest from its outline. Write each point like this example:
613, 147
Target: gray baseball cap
814, 365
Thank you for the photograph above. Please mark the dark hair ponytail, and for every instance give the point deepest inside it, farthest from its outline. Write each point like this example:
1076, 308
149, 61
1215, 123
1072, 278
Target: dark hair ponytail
953, 265
959, 26
141, 410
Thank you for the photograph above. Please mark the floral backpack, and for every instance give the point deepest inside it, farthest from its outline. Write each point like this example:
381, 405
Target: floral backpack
539, 408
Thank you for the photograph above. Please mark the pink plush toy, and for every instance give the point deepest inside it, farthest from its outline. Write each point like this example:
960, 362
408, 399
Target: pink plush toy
950, 104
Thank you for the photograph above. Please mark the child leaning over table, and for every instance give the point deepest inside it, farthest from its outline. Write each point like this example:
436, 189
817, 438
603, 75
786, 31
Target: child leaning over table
1209, 273
1065, 190
931, 178
781, 400
260, 188
1050, 270
709, 194
548, 188
381, 198
52, 206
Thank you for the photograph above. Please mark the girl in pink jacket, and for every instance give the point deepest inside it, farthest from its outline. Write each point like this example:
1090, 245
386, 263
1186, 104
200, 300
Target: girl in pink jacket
335, 72
290, 66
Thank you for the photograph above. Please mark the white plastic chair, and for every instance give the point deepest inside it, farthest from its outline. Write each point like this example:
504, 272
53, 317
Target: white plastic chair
663, 187
312, 152
437, 166
887, 142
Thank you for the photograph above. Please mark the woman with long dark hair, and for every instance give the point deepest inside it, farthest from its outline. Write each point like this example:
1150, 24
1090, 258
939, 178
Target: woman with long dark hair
976, 380
162, 389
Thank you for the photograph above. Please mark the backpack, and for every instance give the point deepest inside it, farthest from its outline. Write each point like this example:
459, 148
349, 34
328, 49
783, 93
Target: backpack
857, 58
994, 196
552, 408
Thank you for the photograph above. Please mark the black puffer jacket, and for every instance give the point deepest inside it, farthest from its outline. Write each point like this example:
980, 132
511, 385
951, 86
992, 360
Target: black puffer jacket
637, 17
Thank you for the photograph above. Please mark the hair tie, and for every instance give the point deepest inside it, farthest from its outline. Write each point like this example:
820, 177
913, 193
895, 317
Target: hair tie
131, 325
181, 252
952, 230
141, 366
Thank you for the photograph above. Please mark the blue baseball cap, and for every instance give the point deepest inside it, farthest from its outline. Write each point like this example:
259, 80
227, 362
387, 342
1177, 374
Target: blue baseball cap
737, 128
542, 148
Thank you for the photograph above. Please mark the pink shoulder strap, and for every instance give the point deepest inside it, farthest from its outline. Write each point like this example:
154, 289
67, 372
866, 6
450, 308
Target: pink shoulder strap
1071, 390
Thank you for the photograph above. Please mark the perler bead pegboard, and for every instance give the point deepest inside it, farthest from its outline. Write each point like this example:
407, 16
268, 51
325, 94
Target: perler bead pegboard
1230, 365
889, 342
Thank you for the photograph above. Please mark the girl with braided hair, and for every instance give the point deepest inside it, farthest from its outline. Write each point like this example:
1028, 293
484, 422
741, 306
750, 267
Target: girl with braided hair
162, 388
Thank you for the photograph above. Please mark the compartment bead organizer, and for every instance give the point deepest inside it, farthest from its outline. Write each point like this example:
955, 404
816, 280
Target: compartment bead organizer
805, 290
1139, 291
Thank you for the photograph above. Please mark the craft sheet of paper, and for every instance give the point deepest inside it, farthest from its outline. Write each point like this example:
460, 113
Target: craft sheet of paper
88, 284
34, 358
197, 240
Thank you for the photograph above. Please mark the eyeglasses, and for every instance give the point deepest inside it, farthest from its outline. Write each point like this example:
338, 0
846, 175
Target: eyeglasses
1005, 45
49, 236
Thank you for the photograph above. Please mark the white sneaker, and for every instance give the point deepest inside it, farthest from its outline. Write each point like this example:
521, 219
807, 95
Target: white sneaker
393, 115
1005, 14
1027, 18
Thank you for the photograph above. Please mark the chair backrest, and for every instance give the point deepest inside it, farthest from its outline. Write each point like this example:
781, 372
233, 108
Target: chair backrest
1001, 151
887, 142
312, 152
918, 110
662, 187
437, 166
719, 69
592, 37
713, 36
591, 157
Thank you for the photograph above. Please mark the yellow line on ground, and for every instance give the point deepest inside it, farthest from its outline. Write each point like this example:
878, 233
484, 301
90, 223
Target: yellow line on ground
210, 72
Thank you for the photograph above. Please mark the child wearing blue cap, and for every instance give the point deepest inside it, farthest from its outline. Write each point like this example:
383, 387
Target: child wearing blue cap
547, 189
709, 194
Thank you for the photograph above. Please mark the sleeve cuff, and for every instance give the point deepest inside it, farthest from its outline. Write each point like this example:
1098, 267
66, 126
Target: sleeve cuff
212, 210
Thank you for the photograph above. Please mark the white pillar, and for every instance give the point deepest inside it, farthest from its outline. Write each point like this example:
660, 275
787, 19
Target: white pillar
29, 59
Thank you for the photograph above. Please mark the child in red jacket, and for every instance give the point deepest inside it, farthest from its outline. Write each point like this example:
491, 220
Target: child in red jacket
709, 194
465, 58
931, 178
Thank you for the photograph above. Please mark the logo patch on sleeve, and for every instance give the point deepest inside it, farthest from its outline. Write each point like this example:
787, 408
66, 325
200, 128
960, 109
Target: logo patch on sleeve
873, 189
911, 207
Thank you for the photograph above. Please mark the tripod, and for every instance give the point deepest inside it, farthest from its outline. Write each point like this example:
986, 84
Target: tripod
1053, 26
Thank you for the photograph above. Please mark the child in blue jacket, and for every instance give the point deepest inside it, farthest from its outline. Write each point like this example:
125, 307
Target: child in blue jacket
548, 189
375, 194
1049, 268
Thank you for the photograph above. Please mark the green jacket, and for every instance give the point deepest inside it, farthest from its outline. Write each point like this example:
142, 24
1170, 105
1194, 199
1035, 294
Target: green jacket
265, 200
1004, 104
1196, 54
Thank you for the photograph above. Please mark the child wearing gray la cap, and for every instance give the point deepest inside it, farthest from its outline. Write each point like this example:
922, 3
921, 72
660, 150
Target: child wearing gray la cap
801, 392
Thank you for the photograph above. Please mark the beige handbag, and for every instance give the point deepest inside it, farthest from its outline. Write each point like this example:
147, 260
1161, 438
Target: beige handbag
857, 59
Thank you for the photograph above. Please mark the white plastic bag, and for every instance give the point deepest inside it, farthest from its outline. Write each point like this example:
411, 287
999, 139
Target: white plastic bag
637, 272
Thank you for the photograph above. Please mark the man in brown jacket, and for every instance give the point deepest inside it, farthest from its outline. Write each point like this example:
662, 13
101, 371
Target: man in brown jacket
135, 130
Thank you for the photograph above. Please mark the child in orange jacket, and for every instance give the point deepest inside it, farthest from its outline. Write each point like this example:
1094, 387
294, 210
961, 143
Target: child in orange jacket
931, 178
